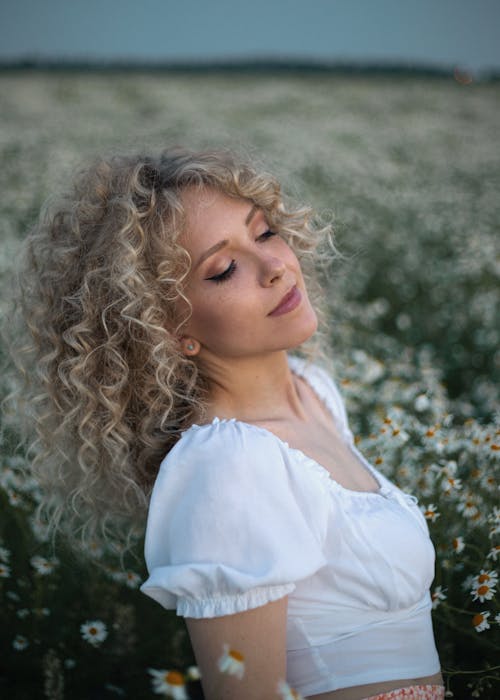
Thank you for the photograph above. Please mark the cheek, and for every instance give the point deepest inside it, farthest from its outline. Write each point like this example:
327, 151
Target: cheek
221, 312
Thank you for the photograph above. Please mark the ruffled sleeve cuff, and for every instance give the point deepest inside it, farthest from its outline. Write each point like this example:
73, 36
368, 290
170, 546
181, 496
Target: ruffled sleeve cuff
218, 606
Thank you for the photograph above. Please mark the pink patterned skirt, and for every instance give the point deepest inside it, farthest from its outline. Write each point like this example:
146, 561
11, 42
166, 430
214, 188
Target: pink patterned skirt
412, 692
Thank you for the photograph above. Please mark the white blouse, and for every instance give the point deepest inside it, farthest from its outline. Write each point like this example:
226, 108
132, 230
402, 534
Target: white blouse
238, 519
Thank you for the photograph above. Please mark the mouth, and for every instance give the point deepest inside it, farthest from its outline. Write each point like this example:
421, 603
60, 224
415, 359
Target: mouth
289, 302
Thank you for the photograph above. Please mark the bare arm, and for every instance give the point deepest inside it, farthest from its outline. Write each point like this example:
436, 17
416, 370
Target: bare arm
259, 634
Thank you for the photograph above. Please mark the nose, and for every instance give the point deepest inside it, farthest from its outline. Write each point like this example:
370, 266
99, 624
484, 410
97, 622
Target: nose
272, 270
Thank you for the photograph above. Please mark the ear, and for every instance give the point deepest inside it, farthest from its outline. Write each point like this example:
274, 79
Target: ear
190, 346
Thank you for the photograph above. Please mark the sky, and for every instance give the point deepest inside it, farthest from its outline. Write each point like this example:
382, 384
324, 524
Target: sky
443, 33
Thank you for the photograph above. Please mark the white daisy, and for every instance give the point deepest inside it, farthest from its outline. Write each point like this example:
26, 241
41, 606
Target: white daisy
494, 552
437, 596
131, 579
480, 621
483, 592
490, 576
451, 483
483, 586
20, 643
232, 662
169, 683
43, 566
430, 512
94, 632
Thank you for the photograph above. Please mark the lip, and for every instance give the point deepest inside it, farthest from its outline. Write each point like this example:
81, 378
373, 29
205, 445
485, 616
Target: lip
289, 302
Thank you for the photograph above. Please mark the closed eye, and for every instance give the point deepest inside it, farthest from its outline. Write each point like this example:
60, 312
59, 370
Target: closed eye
267, 234
223, 276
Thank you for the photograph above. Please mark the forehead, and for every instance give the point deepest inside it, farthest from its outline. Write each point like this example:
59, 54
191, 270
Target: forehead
210, 212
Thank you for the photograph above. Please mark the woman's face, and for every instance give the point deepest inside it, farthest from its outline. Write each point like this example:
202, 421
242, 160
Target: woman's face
246, 287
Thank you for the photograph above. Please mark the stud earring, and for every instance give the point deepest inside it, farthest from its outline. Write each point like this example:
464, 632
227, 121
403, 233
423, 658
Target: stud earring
191, 347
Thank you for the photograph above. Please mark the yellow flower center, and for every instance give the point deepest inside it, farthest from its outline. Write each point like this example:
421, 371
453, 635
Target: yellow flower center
477, 619
174, 678
236, 655
483, 590
483, 577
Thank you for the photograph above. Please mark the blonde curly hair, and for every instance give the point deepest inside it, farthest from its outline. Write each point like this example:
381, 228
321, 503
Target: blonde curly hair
110, 388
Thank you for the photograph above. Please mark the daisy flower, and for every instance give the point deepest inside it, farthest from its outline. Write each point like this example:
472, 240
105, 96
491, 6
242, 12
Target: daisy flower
131, 579
94, 632
232, 662
430, 512
480, 621
450, 483
483, 586
490, 577
4, 555
468, 508
169, 683
437, 596
4, 570
20, 643
494, 552
288, 693
43, 566
457, 544
482, 592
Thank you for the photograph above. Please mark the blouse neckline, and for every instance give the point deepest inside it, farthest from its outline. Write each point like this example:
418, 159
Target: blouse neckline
298, 367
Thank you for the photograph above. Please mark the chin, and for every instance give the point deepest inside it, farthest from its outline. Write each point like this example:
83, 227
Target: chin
306, 333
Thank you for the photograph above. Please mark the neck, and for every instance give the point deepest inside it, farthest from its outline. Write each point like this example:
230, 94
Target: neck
255, 389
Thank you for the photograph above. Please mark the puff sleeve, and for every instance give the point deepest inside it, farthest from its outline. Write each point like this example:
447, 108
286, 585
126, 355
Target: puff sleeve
232, 523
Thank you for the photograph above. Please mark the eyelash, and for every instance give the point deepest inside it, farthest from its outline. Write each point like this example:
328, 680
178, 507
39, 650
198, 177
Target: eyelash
229, 271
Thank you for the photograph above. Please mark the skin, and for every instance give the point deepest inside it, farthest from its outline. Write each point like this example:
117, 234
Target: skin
240, 273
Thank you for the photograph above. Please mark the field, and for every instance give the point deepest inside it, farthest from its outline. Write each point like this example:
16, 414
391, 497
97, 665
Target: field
408, 171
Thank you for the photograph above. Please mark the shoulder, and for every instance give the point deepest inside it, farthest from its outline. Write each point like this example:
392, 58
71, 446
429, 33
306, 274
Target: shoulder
223, 452
231, 512
232, 465
233, 475
324, 385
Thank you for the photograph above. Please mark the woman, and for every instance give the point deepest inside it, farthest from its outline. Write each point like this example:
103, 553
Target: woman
165, 294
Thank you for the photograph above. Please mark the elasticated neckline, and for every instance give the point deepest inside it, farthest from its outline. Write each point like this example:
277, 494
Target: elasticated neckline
299, 367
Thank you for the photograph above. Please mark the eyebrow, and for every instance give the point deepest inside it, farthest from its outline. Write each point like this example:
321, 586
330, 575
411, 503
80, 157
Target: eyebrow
221, 244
